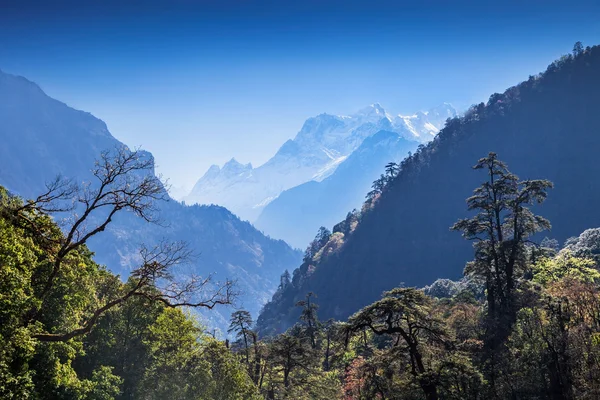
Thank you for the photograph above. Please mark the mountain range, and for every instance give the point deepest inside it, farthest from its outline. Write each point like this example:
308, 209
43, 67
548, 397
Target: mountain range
321, 146
42, 137
297, 213
544, 128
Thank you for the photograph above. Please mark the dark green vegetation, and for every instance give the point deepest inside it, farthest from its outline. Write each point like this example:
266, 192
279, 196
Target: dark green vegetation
523, 323
42, 137
544, 127
70, 329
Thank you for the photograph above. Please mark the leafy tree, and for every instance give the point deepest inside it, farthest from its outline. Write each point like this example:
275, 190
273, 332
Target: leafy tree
565, 264
587, 244
289, 353
229, 380
391, 170
406, 313
188, 365
319, 241
284, 280
500, 230
577, 49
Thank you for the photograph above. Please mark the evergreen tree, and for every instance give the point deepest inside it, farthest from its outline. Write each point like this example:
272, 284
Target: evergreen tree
309, 317
500, 230
241, 323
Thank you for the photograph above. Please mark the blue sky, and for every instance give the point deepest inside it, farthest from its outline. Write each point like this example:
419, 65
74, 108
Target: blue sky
199, 82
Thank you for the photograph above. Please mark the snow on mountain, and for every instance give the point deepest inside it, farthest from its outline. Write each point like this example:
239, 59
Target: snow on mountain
296, 215
322, 144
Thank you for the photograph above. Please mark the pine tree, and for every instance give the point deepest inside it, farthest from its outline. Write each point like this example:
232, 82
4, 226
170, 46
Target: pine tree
500, 231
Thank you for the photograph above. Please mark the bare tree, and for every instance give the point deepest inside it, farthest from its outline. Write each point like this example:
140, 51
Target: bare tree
154, 281
124, 180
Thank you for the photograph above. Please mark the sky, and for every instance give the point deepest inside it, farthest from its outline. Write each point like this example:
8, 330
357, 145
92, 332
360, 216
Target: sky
199, 82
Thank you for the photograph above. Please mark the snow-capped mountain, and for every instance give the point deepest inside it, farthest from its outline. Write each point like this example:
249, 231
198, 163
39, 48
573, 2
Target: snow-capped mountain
296, 215
322, 144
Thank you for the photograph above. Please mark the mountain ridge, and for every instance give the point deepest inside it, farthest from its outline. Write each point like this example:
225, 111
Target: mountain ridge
322, 144
297, 213
43, 137
543, 128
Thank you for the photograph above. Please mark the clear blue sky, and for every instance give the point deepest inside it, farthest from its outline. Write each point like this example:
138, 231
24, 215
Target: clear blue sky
198, 82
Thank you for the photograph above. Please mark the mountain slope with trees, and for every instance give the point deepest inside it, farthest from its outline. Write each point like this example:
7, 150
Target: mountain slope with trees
546, 127
69, 329
521, 324
43, 138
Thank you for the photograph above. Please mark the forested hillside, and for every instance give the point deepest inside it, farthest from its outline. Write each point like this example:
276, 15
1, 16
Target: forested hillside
504, 198
43, 138
546, 127
522, 324
70, 329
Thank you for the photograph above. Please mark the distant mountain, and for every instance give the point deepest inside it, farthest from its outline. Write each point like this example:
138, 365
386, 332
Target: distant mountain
297, 213
42, 137
322, 144
547, 127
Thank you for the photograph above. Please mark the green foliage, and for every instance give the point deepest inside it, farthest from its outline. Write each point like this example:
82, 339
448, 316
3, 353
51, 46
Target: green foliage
175, 371
565, 265
136, 349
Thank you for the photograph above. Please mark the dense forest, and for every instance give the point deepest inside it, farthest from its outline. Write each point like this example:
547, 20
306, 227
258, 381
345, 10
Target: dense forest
545, 127
523, 322
70, 329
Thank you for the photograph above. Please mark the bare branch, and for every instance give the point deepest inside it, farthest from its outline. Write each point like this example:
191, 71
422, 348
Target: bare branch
155, 282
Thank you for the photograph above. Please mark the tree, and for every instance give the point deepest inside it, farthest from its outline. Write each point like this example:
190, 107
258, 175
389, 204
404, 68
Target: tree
229, 378
309, 317
406, 315
284, 279
565, 264
391, 171
176, 370
240, 323
318, 242
124, 182
377, 188
500, 230
289, 353
577, 49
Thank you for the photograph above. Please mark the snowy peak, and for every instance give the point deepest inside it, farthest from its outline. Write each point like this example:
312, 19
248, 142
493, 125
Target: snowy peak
321, 145
438, 115
212, 173
233, 167
374, 112
423, 126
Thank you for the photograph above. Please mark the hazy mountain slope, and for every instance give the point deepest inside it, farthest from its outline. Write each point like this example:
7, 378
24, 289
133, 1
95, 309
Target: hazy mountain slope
42, 137
297, 213
321, 145
547, 127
